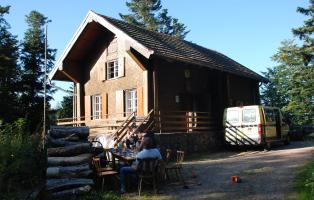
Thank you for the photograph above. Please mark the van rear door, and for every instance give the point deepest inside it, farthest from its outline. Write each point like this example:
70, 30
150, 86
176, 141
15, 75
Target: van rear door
250, 123
232, 124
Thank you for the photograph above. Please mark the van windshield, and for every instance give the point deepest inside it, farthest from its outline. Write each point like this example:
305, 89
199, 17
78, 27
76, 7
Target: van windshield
233, 116
249, 115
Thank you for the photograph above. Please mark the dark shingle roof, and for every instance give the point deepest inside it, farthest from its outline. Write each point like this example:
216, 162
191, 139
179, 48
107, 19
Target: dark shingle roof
174, 48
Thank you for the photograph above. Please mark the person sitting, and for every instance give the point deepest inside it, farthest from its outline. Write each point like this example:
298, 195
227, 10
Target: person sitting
149, 151
131, 138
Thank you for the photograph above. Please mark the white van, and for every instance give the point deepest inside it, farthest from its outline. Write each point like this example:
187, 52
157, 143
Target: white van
255, 125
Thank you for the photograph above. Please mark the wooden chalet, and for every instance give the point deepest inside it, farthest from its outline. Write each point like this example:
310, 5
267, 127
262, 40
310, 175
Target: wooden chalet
123, 74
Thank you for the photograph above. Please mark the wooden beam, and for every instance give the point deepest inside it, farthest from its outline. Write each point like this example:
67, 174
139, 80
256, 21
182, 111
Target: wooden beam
136, 60
69, 76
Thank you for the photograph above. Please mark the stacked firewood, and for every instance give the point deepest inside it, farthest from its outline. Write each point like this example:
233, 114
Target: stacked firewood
69, 154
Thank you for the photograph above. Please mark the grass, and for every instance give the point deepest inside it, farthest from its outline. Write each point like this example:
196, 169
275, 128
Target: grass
305, 182
95, 195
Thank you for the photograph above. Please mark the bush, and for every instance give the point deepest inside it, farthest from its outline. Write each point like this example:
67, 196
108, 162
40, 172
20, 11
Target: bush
21, 158
305, 182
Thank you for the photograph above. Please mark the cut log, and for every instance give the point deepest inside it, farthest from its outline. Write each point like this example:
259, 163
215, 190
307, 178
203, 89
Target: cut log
81, 132
74, 191
66, 183
62, 142
72, 150
70, 171
67, 161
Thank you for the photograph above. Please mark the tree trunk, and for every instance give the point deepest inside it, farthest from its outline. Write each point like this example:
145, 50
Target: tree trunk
70, 171
70, 150
73, 191
67, 161
81, 132
63, 142
66, 183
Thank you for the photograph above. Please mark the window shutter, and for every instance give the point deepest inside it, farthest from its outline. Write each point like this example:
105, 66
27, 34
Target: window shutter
105, 71
119, 103
121, 66
140, 102
104, 105
87, 108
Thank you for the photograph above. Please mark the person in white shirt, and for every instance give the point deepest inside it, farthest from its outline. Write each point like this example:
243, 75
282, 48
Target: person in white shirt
149, 151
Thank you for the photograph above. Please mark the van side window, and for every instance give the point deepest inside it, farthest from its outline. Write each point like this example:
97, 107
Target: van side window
269, 115
233, 116
249, 115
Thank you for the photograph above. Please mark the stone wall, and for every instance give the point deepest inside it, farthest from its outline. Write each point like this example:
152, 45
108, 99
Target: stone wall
189, 142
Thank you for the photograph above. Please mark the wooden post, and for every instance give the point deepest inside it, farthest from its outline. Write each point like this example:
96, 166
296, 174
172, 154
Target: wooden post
156, 90
228, 89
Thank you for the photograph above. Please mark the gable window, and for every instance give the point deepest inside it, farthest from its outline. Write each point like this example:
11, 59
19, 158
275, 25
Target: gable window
112, 69
130, 101
96, 106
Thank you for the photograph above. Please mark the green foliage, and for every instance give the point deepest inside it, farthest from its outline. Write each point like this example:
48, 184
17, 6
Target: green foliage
305, 33
149, 14
66, 108
305, 182
21, 159
291, 85
9, 71
33, 62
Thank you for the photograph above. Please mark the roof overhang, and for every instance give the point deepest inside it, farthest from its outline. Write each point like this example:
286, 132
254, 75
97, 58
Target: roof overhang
94, 17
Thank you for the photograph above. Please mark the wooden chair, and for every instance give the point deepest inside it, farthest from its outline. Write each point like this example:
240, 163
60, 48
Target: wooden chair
109, 158
176, 166
147, 169
102, 172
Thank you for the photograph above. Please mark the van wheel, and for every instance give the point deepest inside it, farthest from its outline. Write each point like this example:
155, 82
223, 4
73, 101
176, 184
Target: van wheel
287, 140
268, 146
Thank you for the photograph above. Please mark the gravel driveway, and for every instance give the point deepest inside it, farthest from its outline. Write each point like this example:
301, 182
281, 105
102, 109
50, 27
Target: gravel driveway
264, 174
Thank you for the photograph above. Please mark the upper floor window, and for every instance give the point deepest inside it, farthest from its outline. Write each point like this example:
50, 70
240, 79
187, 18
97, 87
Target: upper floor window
112, 69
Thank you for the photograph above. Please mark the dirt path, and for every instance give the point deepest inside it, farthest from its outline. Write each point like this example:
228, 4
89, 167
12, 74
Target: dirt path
264, 174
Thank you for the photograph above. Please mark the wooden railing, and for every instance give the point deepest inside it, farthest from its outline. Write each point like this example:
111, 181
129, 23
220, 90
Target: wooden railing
83, 119
122, 130
159, 121
183, 121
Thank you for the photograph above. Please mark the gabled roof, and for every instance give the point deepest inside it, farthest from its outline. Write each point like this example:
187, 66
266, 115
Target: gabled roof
178, 49
159, 44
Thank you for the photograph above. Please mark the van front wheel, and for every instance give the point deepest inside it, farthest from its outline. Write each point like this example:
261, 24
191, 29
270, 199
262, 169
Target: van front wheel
268, 146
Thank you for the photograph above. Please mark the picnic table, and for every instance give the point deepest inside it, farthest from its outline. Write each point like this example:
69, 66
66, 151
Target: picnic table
128, 156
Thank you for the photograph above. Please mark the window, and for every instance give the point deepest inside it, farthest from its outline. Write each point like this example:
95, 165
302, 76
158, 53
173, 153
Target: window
233, 116
112, 69
130, 101
96, 106
269, 115
249, 115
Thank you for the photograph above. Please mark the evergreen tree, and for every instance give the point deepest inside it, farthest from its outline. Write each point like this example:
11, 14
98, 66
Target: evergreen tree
33, 62
9, 72
150, 15
305, 33
66, 108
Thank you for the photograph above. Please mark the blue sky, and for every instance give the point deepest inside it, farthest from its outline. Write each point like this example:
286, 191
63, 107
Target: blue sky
247, 31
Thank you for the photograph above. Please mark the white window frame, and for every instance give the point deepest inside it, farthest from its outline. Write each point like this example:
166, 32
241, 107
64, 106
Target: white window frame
130, 101
96, 106
113, 69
